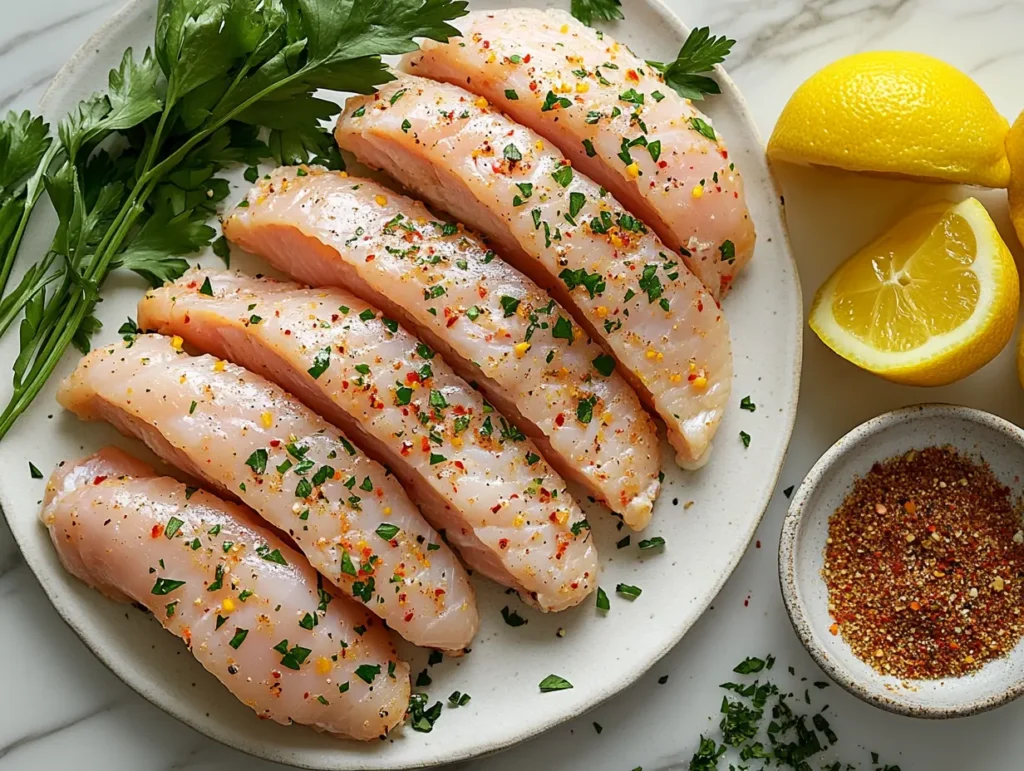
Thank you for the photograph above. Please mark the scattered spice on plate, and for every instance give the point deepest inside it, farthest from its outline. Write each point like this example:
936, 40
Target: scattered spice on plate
924, 565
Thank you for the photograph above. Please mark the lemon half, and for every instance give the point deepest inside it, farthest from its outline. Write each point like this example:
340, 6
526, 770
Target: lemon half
895, 113
1015, 152
927, 303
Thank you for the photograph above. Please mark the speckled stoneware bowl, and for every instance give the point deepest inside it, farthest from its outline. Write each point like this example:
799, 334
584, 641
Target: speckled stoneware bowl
978, 434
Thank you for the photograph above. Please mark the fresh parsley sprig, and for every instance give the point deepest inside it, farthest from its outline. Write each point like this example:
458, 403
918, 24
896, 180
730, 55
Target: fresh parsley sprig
133, 175
601, 10
699, 54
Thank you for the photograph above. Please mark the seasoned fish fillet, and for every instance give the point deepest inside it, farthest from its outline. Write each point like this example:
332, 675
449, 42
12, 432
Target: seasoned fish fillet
615, 119
247, 437
622, 283
248, 606
476, 478
494, 325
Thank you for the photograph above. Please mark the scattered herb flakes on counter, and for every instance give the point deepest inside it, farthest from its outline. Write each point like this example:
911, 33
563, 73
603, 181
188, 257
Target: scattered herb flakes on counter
923, 565
759, 726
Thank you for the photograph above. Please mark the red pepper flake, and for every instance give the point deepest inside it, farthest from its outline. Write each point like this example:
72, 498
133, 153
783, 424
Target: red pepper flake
275, 442
157, 531
503, 543
559, 419
99, 480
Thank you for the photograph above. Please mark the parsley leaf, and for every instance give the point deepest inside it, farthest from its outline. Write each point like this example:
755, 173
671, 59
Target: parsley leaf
588, 11
699, 54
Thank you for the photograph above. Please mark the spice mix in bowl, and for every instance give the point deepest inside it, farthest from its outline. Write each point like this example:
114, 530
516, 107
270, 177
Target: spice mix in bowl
902, 561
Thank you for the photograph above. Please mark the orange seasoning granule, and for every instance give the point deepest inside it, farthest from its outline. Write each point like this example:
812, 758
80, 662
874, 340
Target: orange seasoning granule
924, 565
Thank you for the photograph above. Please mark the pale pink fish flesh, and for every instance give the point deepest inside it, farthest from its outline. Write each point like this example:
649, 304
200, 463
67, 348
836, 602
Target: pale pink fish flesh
495, 326
615, 118
249, 607
247, 438
625, 287
476, 478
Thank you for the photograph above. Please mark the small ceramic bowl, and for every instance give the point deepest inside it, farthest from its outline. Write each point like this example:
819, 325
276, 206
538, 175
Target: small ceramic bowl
801, 554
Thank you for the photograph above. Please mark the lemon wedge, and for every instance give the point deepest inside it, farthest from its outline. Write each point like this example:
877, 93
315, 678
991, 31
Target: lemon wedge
1015, 152
928, 303
895, 113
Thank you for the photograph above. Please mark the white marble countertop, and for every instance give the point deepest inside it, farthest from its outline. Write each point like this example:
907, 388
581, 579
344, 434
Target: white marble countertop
63, 709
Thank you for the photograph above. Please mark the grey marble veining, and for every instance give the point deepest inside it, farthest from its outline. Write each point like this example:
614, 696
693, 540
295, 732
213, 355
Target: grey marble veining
62, 709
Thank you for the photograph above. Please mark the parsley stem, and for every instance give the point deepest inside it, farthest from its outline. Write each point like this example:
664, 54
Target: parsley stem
33, 190
25, 394
15, 302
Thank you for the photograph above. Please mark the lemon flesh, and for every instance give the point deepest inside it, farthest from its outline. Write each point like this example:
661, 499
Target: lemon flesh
929, 302
895, 113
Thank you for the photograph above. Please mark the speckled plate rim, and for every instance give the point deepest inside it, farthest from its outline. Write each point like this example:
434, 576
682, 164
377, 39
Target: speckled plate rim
792, 528
613, 686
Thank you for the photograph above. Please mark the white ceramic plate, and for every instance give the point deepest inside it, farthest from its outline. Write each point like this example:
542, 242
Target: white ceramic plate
600, 653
